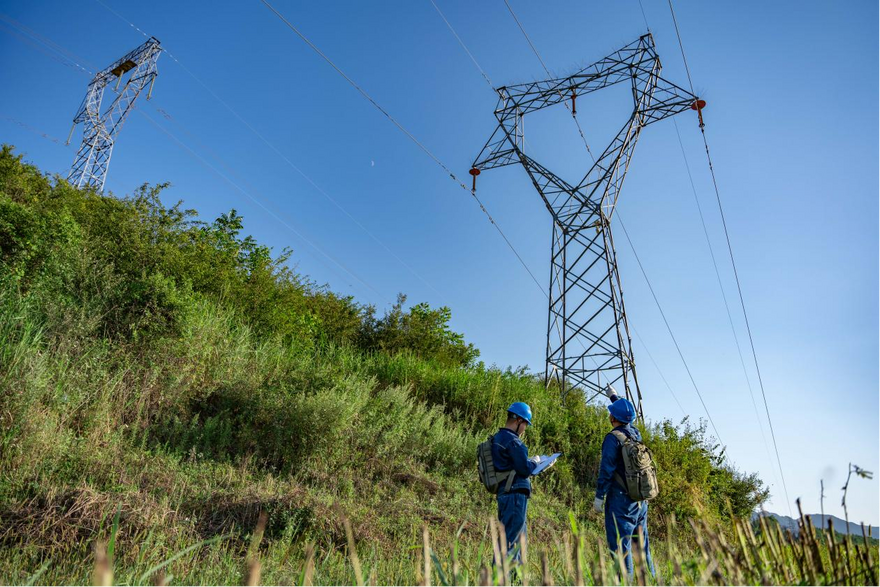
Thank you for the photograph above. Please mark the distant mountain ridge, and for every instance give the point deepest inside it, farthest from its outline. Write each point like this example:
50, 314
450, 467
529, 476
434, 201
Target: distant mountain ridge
839, 524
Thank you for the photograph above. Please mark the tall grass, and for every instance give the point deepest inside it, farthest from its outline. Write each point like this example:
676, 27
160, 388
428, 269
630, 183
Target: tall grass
758, 553
163, 382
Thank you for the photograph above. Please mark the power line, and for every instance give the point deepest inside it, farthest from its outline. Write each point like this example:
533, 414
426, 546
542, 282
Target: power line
463, 46
723, 295
259, 203
715, 264
73, 58
37, 131
407, 133
645, 17
43, 45
470, 54
131, 24
546, 69
486, 77
681, 46
286, 159
733, 264
656, 366
668, 327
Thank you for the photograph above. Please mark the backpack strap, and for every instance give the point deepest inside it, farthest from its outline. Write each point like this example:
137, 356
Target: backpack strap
510, 476
620, 436
509, 480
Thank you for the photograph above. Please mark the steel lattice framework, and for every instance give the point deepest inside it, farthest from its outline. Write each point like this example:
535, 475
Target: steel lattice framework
588, 338
89, 169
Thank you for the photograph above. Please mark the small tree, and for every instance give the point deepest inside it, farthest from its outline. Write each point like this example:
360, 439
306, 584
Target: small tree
422, 330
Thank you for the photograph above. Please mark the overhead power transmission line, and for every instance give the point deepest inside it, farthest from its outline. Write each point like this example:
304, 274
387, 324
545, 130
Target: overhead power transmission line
723, 295
278, 152
656, 366
407, 133
669, 328
259, 202
64, 55
644, 345
37, 131
45, 45
717, 271
525, 141
537, 54
571, 109
580, 131
733, 262
644, 16
586, 299
463, 46
687, 69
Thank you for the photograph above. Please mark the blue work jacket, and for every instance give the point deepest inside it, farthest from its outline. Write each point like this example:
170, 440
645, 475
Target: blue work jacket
509, 452
612, 459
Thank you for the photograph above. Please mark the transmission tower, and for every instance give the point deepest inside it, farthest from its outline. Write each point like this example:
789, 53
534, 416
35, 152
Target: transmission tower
89, 169
588, 338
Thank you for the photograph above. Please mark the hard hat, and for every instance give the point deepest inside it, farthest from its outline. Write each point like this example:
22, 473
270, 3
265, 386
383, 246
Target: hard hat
622, 410
522, 410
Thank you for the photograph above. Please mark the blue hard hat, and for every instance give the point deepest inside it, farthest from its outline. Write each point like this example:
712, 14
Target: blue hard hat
522, 410
623, 410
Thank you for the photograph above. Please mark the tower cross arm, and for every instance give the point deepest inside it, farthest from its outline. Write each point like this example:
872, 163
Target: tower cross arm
116, 69
498, 151
625, 63
100, 129
666, 99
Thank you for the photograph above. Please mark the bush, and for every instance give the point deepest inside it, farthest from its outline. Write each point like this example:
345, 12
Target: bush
422, 331
153, 360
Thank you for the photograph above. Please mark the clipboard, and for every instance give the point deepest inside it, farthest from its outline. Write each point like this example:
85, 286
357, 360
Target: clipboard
545, 461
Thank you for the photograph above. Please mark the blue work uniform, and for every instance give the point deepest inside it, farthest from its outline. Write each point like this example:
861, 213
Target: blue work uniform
509, 452
623, 516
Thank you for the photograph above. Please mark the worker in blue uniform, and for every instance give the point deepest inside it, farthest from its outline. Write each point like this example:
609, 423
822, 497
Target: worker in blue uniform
509, 453
623, 516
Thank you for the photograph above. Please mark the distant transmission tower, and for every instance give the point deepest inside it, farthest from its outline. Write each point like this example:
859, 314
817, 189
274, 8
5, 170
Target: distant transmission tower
588, 338
99, 130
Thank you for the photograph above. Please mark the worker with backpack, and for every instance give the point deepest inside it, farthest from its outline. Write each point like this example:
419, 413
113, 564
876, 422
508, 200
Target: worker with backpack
504, 467
627, 480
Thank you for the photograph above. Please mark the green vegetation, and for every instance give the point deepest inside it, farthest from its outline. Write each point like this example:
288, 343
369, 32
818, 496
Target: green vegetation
164, 380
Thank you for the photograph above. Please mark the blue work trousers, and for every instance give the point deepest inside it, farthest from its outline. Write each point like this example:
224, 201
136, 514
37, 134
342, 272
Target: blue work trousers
512, 513
623, 518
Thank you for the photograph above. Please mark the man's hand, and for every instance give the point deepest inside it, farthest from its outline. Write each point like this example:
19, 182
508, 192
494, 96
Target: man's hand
597, 504
610, 393
535, 459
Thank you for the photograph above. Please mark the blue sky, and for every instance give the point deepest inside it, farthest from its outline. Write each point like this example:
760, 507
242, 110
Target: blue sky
791, 119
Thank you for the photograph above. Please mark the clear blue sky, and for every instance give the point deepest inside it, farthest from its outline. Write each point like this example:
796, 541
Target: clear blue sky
792, 122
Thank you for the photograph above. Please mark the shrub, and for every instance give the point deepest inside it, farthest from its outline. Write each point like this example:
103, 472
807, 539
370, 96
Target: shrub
149, 358
422, 330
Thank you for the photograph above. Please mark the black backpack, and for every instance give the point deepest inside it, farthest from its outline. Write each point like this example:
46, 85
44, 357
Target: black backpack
490, 477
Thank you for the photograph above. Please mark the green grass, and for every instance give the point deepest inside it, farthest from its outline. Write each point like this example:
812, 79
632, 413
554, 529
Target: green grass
756, 555
164, 381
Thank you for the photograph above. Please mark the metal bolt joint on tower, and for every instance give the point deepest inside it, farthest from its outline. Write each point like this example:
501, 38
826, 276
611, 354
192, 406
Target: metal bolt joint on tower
89, 169
588, 338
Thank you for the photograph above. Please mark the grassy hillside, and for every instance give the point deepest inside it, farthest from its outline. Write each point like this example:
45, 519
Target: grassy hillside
163, 380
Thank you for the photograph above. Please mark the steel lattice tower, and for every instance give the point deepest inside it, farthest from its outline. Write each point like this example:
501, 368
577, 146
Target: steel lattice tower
89, 169
588, 338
